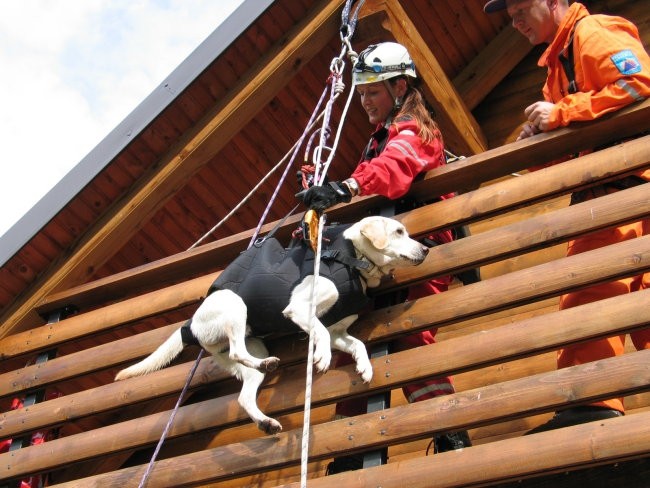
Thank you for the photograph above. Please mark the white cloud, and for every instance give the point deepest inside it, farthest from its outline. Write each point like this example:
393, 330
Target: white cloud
72, 70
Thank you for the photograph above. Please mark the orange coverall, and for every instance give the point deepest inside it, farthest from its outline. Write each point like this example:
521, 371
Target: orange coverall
612, 70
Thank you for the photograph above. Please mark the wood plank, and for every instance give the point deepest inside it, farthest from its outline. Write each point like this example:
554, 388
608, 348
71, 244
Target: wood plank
561, 450
529, 235
166, 270
83, 362
626, 258
492, 65
106, 318
629, 372
523, 154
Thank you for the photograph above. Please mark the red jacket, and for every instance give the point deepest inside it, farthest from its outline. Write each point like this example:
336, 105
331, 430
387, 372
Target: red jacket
402, 159
612, 69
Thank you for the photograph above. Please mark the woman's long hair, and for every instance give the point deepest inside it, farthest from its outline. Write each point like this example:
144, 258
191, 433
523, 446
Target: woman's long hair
414, 107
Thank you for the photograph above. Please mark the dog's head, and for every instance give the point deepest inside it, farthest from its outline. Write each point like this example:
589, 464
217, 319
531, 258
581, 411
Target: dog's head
386, 243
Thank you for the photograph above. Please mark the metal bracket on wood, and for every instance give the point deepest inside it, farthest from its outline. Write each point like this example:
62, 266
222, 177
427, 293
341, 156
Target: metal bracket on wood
377, 402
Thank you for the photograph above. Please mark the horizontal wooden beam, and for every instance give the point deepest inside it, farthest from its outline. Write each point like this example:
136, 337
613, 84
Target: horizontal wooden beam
108, 317
530, 188
161, 272
563, 450
520, 287
83, 362
480, 406
538, 232
469, 173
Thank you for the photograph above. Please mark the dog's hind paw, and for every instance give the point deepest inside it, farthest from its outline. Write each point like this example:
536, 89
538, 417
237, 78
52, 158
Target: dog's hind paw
270, 364
270, 426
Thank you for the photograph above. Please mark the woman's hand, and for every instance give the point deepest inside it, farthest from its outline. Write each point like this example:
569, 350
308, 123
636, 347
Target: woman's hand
320, 198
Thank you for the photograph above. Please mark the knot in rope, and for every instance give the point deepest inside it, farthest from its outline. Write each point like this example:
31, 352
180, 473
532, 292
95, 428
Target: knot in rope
353, 56
339, 87
336, 67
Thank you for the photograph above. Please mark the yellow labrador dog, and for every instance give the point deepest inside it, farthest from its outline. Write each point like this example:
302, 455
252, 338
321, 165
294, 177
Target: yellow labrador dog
229, 322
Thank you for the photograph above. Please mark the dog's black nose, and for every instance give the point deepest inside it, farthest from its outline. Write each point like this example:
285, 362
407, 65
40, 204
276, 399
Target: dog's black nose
425, 250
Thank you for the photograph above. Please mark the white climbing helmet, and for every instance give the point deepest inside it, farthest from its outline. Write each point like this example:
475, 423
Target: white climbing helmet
380, 62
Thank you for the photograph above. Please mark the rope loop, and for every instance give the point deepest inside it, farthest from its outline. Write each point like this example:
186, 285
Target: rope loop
353, 56
339, 87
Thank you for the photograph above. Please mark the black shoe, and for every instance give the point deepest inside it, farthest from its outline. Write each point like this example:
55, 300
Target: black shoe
449, 442
345, 463
575, 416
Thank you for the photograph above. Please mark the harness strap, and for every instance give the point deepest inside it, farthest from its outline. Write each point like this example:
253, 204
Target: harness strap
566, 57
186, 335
338, 256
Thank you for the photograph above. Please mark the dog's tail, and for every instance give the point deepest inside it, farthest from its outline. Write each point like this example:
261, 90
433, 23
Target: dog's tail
158, 359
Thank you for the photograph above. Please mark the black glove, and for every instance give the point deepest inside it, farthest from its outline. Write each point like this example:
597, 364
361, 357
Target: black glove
320, 198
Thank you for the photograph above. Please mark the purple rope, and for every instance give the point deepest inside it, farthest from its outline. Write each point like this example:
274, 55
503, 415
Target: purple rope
145, 477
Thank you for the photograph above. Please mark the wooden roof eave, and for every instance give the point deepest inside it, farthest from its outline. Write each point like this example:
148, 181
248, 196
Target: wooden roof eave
462, 132
129, 214
491, 66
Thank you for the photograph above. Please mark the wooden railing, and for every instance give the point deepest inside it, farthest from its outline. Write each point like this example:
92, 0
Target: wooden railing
482, 326
467, 173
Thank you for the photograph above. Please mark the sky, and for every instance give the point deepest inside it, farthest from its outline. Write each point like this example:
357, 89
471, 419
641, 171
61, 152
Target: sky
72, 70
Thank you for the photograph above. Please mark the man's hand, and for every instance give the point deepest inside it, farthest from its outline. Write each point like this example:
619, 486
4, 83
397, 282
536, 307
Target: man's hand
528, 130
320, 198
538, 114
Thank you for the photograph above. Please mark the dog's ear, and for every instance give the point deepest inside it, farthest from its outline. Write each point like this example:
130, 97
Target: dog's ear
375, 231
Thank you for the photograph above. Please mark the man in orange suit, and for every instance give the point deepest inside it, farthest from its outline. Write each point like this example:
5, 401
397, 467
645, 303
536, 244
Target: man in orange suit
596, 64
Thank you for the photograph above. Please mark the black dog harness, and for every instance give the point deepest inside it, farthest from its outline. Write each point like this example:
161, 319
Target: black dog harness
265, 275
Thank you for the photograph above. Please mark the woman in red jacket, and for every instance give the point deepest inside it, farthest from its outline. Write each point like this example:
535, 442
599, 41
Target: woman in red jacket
406, 142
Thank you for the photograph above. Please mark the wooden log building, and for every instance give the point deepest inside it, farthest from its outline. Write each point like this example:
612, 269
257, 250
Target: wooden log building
101, 271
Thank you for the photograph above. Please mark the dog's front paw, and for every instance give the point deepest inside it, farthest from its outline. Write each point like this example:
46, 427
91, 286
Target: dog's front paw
366, 375
365, 371
270, 364
270, 426
322, 359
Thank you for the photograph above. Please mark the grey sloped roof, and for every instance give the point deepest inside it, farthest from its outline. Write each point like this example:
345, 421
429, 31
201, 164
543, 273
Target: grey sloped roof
79, 176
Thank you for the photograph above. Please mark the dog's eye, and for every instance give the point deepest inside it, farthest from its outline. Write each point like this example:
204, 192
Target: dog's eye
400, 232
